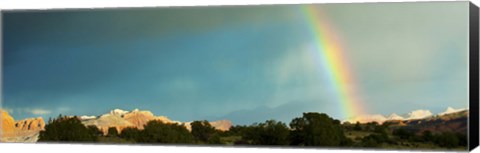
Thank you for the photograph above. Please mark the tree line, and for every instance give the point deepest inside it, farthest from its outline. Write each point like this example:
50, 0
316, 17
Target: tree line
311, 129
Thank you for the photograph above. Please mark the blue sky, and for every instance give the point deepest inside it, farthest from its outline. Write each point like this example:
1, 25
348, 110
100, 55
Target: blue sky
246, 64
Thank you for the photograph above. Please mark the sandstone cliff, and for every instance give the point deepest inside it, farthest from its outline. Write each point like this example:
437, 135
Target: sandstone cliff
222, 125
121, 119
26, 130
31, 124
7, 125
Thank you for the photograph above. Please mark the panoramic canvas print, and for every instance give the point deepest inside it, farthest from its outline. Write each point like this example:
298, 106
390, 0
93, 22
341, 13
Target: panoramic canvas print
366, 75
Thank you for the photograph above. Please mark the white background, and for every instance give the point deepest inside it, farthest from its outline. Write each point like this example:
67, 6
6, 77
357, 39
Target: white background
84, 148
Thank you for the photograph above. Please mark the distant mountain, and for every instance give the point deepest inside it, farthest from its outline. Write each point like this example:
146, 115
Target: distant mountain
122, 119
27, 130
413, 115
451, 110
452, 122
367, 118
419, 114
395, 117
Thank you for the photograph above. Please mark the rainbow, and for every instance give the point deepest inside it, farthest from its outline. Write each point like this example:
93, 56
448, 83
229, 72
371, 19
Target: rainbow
328, 51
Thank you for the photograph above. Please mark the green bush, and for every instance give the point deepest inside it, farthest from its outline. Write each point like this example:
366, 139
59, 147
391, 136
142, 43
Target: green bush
269, 133
93, 130
66, 129
427, 136
314, 129
112, 132
375, 140
462, 139
158, 132
131, 133
357, 127
202, 130
403, 133
447, 139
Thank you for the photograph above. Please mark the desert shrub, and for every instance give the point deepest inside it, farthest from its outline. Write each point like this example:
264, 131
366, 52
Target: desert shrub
462, 139
112, 132
369, 142
158, 132
375, 140
315, 129
202, 130
215, 139
370, 126
269, 133
236, 130
64, 129
92, 129
380, 129
447, 139
427, 136
357, 127
130, 133
403, 133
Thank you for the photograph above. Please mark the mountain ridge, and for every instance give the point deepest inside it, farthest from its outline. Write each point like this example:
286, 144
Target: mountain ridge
413, 115
27, 130
121, 119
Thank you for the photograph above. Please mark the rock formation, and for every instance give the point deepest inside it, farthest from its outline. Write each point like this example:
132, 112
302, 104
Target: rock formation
30, 124
121, 119
368, 118
109, 120
413, 115
451, 110
452, 122
419, 114
395, 117
222, 125
140, 118
7, 125
26, 130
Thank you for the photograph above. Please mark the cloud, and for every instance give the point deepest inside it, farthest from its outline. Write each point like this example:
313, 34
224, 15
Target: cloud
39, 111
9, 110
34, 111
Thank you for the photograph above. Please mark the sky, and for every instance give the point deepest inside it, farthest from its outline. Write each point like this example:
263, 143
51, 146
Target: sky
242, 63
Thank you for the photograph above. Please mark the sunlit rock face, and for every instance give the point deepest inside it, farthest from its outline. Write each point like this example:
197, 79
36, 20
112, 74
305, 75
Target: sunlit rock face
8, 124
30, 124
419, 114
121, 119
368, 118
413, 115
26, 130
395, 117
